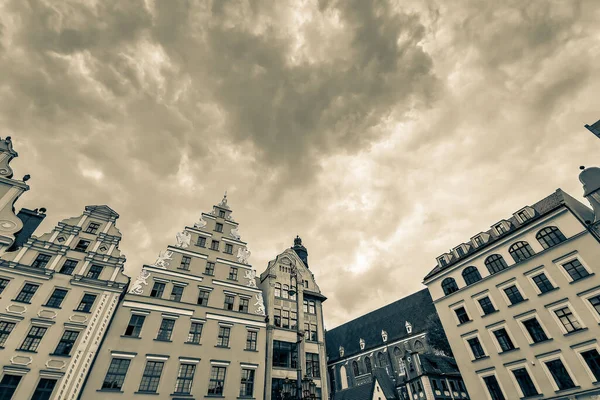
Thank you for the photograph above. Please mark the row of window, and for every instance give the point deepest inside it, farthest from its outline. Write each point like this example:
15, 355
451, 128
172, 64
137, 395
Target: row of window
10, 383
54, 301
165, 331
158, 290
554, 366
68, 267
214, 245
496, 263
285, 355
382, 361
34, 337
117, 371
441, 385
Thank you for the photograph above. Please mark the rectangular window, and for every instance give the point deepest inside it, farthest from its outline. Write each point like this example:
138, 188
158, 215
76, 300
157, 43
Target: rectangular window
306, 331
244, 304
115, 376
535, 330
41, 261
185, 263
523, 216
476, 347
185, 376
592, 359
233, 274
134, 328
217, 381
203, 297
462, 315
26, 294
68, 267
525, 383
575, 270
493, 387
82, 245
67, 341
504, 340
223, 338
86, 303
285, 354
219, 227
195, 333
594, 301
542, 282
8, 386
92, 228
228, 248
567, 319
312, 365
157, 290
305, 306
486, 305
311, 307
221, 214
500, 229
293, 320
247, 383
5, 329
285, 319
229, 300
559, 373
33, 338
478, 241
94, 272
56, 298
277, 317
513, 294
214, 245
251, 340
210, 268
201, 241
151, 376
460, 251
166, 329
44, 389
176, 293
3, 284
313, 333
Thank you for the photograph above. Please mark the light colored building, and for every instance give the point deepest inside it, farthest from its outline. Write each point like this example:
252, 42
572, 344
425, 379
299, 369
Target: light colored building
192, 324
58, 293
520, 302
295, 331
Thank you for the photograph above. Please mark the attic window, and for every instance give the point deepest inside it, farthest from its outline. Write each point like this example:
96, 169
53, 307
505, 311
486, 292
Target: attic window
60, 239
460, 251
103, 248
478, 240
523, 216
500, 229
221, 213
443, 261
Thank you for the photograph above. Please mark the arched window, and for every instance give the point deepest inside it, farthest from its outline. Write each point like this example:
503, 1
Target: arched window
471, 275
285, 292
355, 368
419, 346
550, 236
495, 263
449, 285
277, 289
368, 365
382, 360
293, 296
521, 251
398, 358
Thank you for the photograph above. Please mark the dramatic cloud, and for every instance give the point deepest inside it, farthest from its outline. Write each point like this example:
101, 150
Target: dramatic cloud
382, 132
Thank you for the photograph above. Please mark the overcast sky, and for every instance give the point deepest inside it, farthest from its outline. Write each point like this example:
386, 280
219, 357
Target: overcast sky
383, 133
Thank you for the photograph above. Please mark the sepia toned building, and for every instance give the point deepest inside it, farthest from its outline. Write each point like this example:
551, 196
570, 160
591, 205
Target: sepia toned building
192, 324
520, 302
295, 330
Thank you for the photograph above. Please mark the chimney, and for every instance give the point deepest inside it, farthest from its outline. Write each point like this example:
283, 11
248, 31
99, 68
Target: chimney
31, 220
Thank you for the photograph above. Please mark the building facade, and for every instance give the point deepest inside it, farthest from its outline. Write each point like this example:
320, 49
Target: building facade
191, 326
295, 330
58, 293
386, 338
520, 302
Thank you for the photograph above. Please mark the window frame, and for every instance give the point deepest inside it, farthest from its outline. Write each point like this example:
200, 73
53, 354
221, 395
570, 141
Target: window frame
158, 294
93, 270
485, 387
66, 339
228, 248
251, 340
185, 263
217, 380
64, 265
473, 270
474, 335
537, 272
62, 299
247, 382
586, 299
552, 357
456, 306
41, 264
522, 318
165, 329
149, 383
582, 349
200, 292
447, 284
560, 262
115, 374
29, 293
520, 248
86, 309
210, 268
505, 285
93, 228
82, 250
187, 380
223, 336
498, 259
5, 332
32, 345
173, 296
511, 368
566, 303
481, 296
140, 328
492, 331
554, 229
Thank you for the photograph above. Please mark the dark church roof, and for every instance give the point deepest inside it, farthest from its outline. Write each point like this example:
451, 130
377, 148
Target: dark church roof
365, 392
438, 365
391, 318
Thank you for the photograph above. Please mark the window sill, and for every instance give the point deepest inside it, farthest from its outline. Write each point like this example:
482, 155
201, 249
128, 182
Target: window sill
60, 355
490, 313
26, 351
110, 390
183, 395
131, 337
142, 392
575, 332
246, 398
566, 390
582, 279
254, 351
195, 344
541, 294
53, 307
509, 351
183, 269
541, 341
21, 301
516, 304
82, 311
533, 396
465, 323
218, 396
163, 340
227, 253
480, 358
222, 347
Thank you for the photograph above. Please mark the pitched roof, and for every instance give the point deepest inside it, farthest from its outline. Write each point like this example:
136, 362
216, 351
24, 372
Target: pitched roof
541, 208
103, 210
365, 392
391, 318
387, 385
438, 365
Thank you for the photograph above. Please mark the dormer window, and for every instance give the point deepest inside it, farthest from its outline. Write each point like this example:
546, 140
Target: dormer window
478, 241
500, 228
460, 251
523, 216
221, 214
443, 262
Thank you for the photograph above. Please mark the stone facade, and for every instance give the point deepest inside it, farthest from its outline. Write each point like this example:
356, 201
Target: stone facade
290, 326
520, 303
192, 324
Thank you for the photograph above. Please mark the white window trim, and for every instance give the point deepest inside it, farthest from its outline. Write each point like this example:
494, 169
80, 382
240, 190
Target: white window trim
553, 357
580, 350
504, 227
481, 296
528, 316
507, 285
456, 306
562, 304
469, 351
536, 272
523, 364
485, 389
564, 260
495, 340
586, 299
